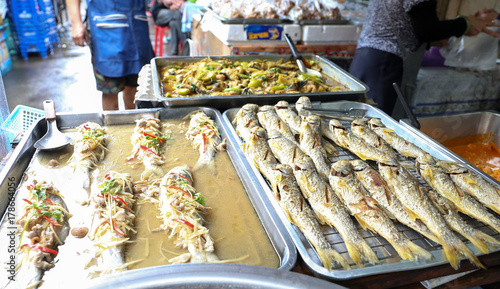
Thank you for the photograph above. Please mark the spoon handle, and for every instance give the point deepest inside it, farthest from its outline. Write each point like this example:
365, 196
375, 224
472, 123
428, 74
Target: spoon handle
50, 110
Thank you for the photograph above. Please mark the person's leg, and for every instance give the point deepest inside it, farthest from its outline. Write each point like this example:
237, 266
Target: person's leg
164, 17
109, 101
129, 96
378, 70
176, 32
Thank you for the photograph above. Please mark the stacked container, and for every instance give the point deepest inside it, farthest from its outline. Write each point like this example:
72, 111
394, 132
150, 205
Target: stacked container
35, 24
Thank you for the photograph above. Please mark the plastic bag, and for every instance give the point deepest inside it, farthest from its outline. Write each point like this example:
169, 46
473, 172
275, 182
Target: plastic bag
473, 52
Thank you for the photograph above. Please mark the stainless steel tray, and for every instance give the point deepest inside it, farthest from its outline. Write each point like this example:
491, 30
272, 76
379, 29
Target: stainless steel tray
11, 176
281, 20
356, 87
390, 261
436, 129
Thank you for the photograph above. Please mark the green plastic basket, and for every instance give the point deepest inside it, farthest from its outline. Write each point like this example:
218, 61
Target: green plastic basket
20, 120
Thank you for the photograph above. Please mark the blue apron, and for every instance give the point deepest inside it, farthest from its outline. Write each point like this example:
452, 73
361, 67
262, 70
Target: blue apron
119, 35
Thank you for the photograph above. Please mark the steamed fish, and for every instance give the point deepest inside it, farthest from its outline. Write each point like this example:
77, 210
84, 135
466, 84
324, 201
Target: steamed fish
324, 202
43, 227
378, 189
414, 198
181, 212
311, 144
366, 211
442, 184
479, 239
475, 185
401, 145
357, 146
89, 149
205, 137
245, 120
148, 146
112, 222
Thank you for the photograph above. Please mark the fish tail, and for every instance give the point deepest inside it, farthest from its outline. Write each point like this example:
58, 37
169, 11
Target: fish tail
480, 240
202, 163
152, 170
411, 250
452, 252
329, 256
359, 250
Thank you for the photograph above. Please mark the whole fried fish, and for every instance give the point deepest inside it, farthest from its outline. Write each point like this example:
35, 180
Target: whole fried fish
318, 192
245, 120
205, 137
401, 145
414, 198
359, 127
366, 211
475, 185
442, 184
304, 102
269, 120
259, 151
300, 214
357, 146
479, 239
311, 144
43, 227
286, 114
89, 149
378, 189
148, 145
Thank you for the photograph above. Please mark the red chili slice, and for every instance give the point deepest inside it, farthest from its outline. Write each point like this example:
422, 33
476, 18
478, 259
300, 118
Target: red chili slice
107, 176
117, 198
155, 137
184, 222
52, 221
86, 126
148, 149
44, 249
184, 191
204, 142
188, 180
117, 230
154, 119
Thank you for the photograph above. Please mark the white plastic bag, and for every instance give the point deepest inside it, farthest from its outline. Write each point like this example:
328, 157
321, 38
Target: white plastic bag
473, 52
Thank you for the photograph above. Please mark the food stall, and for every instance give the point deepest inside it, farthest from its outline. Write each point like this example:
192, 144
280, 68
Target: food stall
217, 180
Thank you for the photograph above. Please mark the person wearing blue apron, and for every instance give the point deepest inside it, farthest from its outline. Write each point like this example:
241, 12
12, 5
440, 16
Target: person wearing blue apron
118, 34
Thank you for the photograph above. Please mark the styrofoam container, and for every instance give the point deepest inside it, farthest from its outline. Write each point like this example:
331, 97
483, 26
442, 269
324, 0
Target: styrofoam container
330, 34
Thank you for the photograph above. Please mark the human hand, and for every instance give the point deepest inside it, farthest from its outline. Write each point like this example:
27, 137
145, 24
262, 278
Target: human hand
487, 14
478, 25
79, 33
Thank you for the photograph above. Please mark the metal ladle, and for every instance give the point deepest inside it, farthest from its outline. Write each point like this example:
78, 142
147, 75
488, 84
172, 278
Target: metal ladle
53, 139
298, 57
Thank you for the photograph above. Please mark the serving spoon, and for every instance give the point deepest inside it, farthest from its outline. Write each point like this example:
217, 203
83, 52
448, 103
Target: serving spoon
298, 57
53, 139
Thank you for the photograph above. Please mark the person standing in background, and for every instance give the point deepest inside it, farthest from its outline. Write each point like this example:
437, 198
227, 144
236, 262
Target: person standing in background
393, 32
169, 13
117, 33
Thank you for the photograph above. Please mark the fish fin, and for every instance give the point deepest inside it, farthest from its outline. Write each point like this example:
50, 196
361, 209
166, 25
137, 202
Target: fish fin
354, 253
208, 164
452, 253
363, 224
330, 256
484, 239
416, 251
412, 215
153, 170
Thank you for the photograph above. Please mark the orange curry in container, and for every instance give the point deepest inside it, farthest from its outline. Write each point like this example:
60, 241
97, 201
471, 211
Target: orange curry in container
480, 150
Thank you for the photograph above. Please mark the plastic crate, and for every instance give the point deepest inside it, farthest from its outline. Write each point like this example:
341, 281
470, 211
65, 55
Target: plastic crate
20, 120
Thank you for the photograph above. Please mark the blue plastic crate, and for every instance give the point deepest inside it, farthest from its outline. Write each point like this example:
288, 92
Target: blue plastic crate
20, 120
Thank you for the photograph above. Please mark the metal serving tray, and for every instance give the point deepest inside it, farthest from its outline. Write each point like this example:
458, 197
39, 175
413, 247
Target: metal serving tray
437, 129
13, 172
390, 260
356, 87
281, 20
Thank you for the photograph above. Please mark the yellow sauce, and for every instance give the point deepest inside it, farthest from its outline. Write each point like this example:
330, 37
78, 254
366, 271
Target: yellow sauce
479, 150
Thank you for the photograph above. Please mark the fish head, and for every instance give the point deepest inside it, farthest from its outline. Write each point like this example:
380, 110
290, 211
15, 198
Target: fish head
282, 104
375, 123
335, 123
265, 108
250, 107
359, 165
341, 168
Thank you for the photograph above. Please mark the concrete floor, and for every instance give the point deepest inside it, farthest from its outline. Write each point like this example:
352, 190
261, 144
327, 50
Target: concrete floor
66, 77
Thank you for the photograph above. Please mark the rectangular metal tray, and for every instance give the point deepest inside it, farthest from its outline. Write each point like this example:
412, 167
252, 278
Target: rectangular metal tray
281, 20
390, 261
437, 129
11, 176
356, 87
